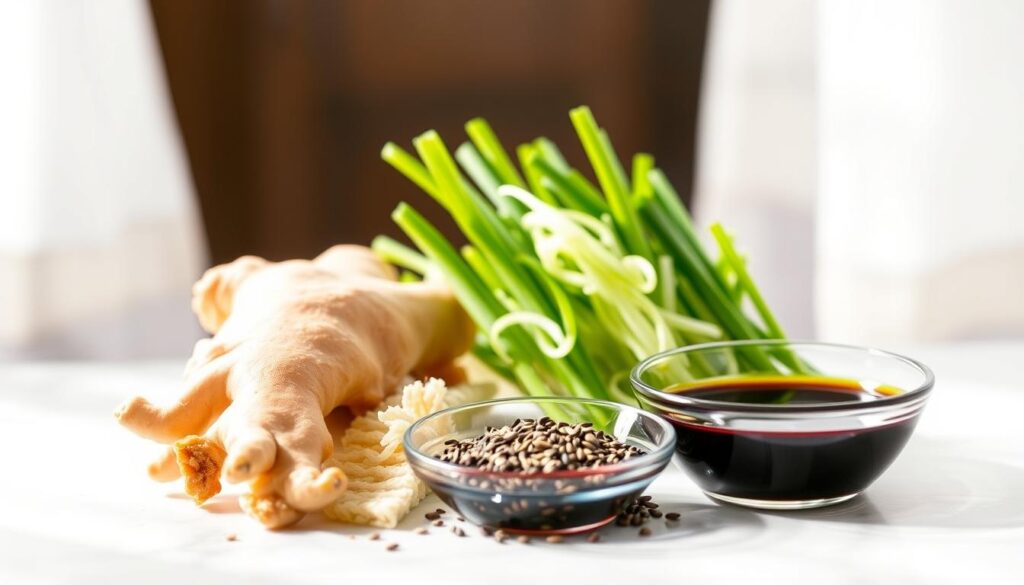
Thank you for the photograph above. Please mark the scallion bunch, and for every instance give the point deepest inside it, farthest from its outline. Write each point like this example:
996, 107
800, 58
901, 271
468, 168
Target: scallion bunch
572, 283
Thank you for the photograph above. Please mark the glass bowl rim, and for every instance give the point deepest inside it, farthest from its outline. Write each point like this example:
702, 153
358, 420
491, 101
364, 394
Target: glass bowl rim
653, 458
649, 392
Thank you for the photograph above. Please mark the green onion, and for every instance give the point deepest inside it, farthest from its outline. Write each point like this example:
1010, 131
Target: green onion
743, 280
400, 255
611, 176
483, 137
571, 284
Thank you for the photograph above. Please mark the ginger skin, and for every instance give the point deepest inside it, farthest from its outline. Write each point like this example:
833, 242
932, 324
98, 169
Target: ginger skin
293, 341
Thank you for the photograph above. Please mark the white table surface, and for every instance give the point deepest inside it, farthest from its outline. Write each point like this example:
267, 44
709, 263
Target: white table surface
76, 505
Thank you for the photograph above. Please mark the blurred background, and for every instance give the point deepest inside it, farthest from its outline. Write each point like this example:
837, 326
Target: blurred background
868, 155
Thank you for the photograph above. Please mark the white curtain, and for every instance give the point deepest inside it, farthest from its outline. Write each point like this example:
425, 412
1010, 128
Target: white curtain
756, 167
99, 235
871, 152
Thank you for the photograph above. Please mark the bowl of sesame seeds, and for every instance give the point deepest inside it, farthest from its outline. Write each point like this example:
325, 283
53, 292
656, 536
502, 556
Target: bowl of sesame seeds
540, 466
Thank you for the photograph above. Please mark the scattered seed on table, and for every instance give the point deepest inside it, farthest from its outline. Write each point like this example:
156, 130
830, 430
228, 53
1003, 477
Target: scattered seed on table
645, 531
431, 515
500, 536
523, 539
594, 537
438, 522
393, 546
374, 536
638, 512
458, 531
554, 539
231, 537
672, 516
486, 531
422, 530
460, 518
440, 511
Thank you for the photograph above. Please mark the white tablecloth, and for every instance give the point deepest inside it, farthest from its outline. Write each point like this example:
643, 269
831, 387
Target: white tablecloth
76, 505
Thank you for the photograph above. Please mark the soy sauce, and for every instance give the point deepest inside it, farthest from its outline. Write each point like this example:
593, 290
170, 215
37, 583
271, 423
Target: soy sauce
793, 464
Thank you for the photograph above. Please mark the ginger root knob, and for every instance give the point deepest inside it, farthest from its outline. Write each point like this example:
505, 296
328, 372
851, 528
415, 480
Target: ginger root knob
200, 461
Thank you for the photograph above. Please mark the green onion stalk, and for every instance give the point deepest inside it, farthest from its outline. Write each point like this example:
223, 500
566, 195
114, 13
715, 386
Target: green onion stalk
571, 283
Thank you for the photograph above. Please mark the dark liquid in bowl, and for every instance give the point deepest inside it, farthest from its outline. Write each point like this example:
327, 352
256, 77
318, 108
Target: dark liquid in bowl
797, 465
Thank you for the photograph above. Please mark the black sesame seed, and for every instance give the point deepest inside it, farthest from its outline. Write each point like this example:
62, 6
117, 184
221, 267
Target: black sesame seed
530, 446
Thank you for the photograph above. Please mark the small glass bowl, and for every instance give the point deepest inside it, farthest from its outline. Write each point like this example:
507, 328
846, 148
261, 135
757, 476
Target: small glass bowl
784, 455
559, 502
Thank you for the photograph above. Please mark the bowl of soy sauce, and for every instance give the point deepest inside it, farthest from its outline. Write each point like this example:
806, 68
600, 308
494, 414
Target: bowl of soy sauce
784, 425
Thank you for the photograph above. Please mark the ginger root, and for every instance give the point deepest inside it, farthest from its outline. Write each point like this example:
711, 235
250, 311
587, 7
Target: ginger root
293, 341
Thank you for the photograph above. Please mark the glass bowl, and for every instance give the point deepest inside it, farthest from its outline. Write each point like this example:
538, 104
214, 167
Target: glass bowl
559, 502
784, 425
